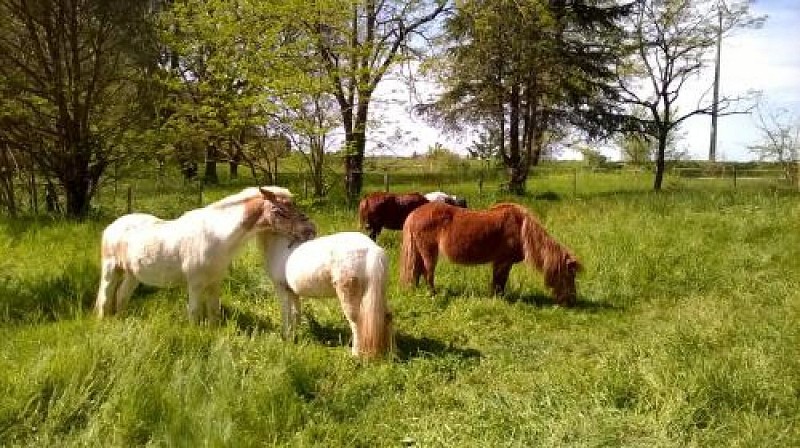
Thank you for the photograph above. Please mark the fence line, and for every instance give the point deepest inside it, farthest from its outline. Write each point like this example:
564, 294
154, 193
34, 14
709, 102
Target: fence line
117, 195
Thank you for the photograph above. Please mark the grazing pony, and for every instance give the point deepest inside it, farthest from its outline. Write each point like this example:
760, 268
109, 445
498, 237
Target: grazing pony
194, 249
347, 265
380, 210
503, 235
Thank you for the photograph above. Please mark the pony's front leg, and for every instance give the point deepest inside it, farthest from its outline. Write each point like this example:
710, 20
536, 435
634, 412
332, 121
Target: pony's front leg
500, 273
213, 307
290, 311
196, 302
374, 231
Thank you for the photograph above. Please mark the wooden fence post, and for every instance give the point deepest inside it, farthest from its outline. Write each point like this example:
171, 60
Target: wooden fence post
129, 207
734, 176
386, 181
575, 183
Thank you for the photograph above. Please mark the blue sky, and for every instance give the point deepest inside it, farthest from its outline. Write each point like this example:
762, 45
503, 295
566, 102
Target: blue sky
765, 59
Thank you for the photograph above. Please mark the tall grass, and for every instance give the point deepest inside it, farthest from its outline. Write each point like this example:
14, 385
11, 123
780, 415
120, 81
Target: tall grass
685, 335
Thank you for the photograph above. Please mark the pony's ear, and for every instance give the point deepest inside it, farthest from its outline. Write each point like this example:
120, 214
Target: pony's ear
268, 195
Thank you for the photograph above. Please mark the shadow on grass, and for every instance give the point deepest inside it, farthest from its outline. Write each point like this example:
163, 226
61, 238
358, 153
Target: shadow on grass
541, 300
66, 294
247, 321
408, 347
547, 196
412, 347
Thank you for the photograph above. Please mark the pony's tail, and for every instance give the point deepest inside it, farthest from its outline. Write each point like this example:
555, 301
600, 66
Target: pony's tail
362, 214
410, 257
374, 316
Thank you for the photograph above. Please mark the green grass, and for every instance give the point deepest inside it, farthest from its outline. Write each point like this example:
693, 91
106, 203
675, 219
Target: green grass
686, 334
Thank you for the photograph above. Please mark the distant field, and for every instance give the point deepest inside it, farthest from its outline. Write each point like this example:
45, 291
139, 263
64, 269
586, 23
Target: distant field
686, 333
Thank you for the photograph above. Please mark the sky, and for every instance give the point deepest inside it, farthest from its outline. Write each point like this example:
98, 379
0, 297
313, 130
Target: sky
766, 60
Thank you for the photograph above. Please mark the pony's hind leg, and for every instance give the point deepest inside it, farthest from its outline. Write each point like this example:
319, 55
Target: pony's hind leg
429, 258
350, 291
109, 282
125, 290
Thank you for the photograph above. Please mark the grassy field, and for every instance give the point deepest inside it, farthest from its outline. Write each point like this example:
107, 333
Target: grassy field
686, 334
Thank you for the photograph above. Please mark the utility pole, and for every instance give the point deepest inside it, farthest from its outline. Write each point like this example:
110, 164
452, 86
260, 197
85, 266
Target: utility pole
712, 149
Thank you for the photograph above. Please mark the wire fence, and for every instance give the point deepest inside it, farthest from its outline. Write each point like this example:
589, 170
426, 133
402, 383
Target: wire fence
163, 194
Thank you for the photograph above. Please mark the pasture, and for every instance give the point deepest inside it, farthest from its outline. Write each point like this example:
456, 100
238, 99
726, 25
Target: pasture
685, 334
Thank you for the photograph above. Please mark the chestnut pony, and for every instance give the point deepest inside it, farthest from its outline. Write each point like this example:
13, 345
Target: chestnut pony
194, 249
503, 235
380, 210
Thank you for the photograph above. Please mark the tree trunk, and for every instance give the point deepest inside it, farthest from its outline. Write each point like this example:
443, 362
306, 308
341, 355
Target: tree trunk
210, 176
517, 163
660, 165
354, 175
234, 169
77, 192
517, 178
356, 142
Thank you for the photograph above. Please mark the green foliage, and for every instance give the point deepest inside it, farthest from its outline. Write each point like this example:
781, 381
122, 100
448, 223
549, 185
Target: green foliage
591, 156
685, 335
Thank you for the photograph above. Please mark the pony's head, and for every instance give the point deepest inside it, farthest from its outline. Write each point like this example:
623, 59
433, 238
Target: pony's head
457, 201
560, 270
272, 210
558, 265
439, 196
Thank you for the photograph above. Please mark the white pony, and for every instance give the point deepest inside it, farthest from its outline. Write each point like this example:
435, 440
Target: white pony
194, 249
439, 196
348, 265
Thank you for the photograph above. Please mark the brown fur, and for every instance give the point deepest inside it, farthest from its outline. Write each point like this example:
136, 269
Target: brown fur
380, 210
503, 235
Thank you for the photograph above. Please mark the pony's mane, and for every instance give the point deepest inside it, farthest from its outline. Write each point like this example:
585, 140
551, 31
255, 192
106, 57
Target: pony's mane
541, 249
250, 193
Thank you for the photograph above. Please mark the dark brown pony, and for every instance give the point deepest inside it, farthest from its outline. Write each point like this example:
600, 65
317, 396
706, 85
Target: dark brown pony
503, 235
380, 210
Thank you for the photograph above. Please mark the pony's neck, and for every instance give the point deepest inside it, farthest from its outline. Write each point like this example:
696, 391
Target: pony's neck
275, 247
228, 226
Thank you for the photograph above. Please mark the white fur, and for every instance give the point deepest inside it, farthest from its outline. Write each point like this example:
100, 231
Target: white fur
194, 249
438, 196
347, 265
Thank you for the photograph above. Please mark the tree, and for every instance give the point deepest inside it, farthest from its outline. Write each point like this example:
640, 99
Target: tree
640, 148
671, 39
70, 72
528, 69
358, 42
485, 148
780, 138
221, 71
